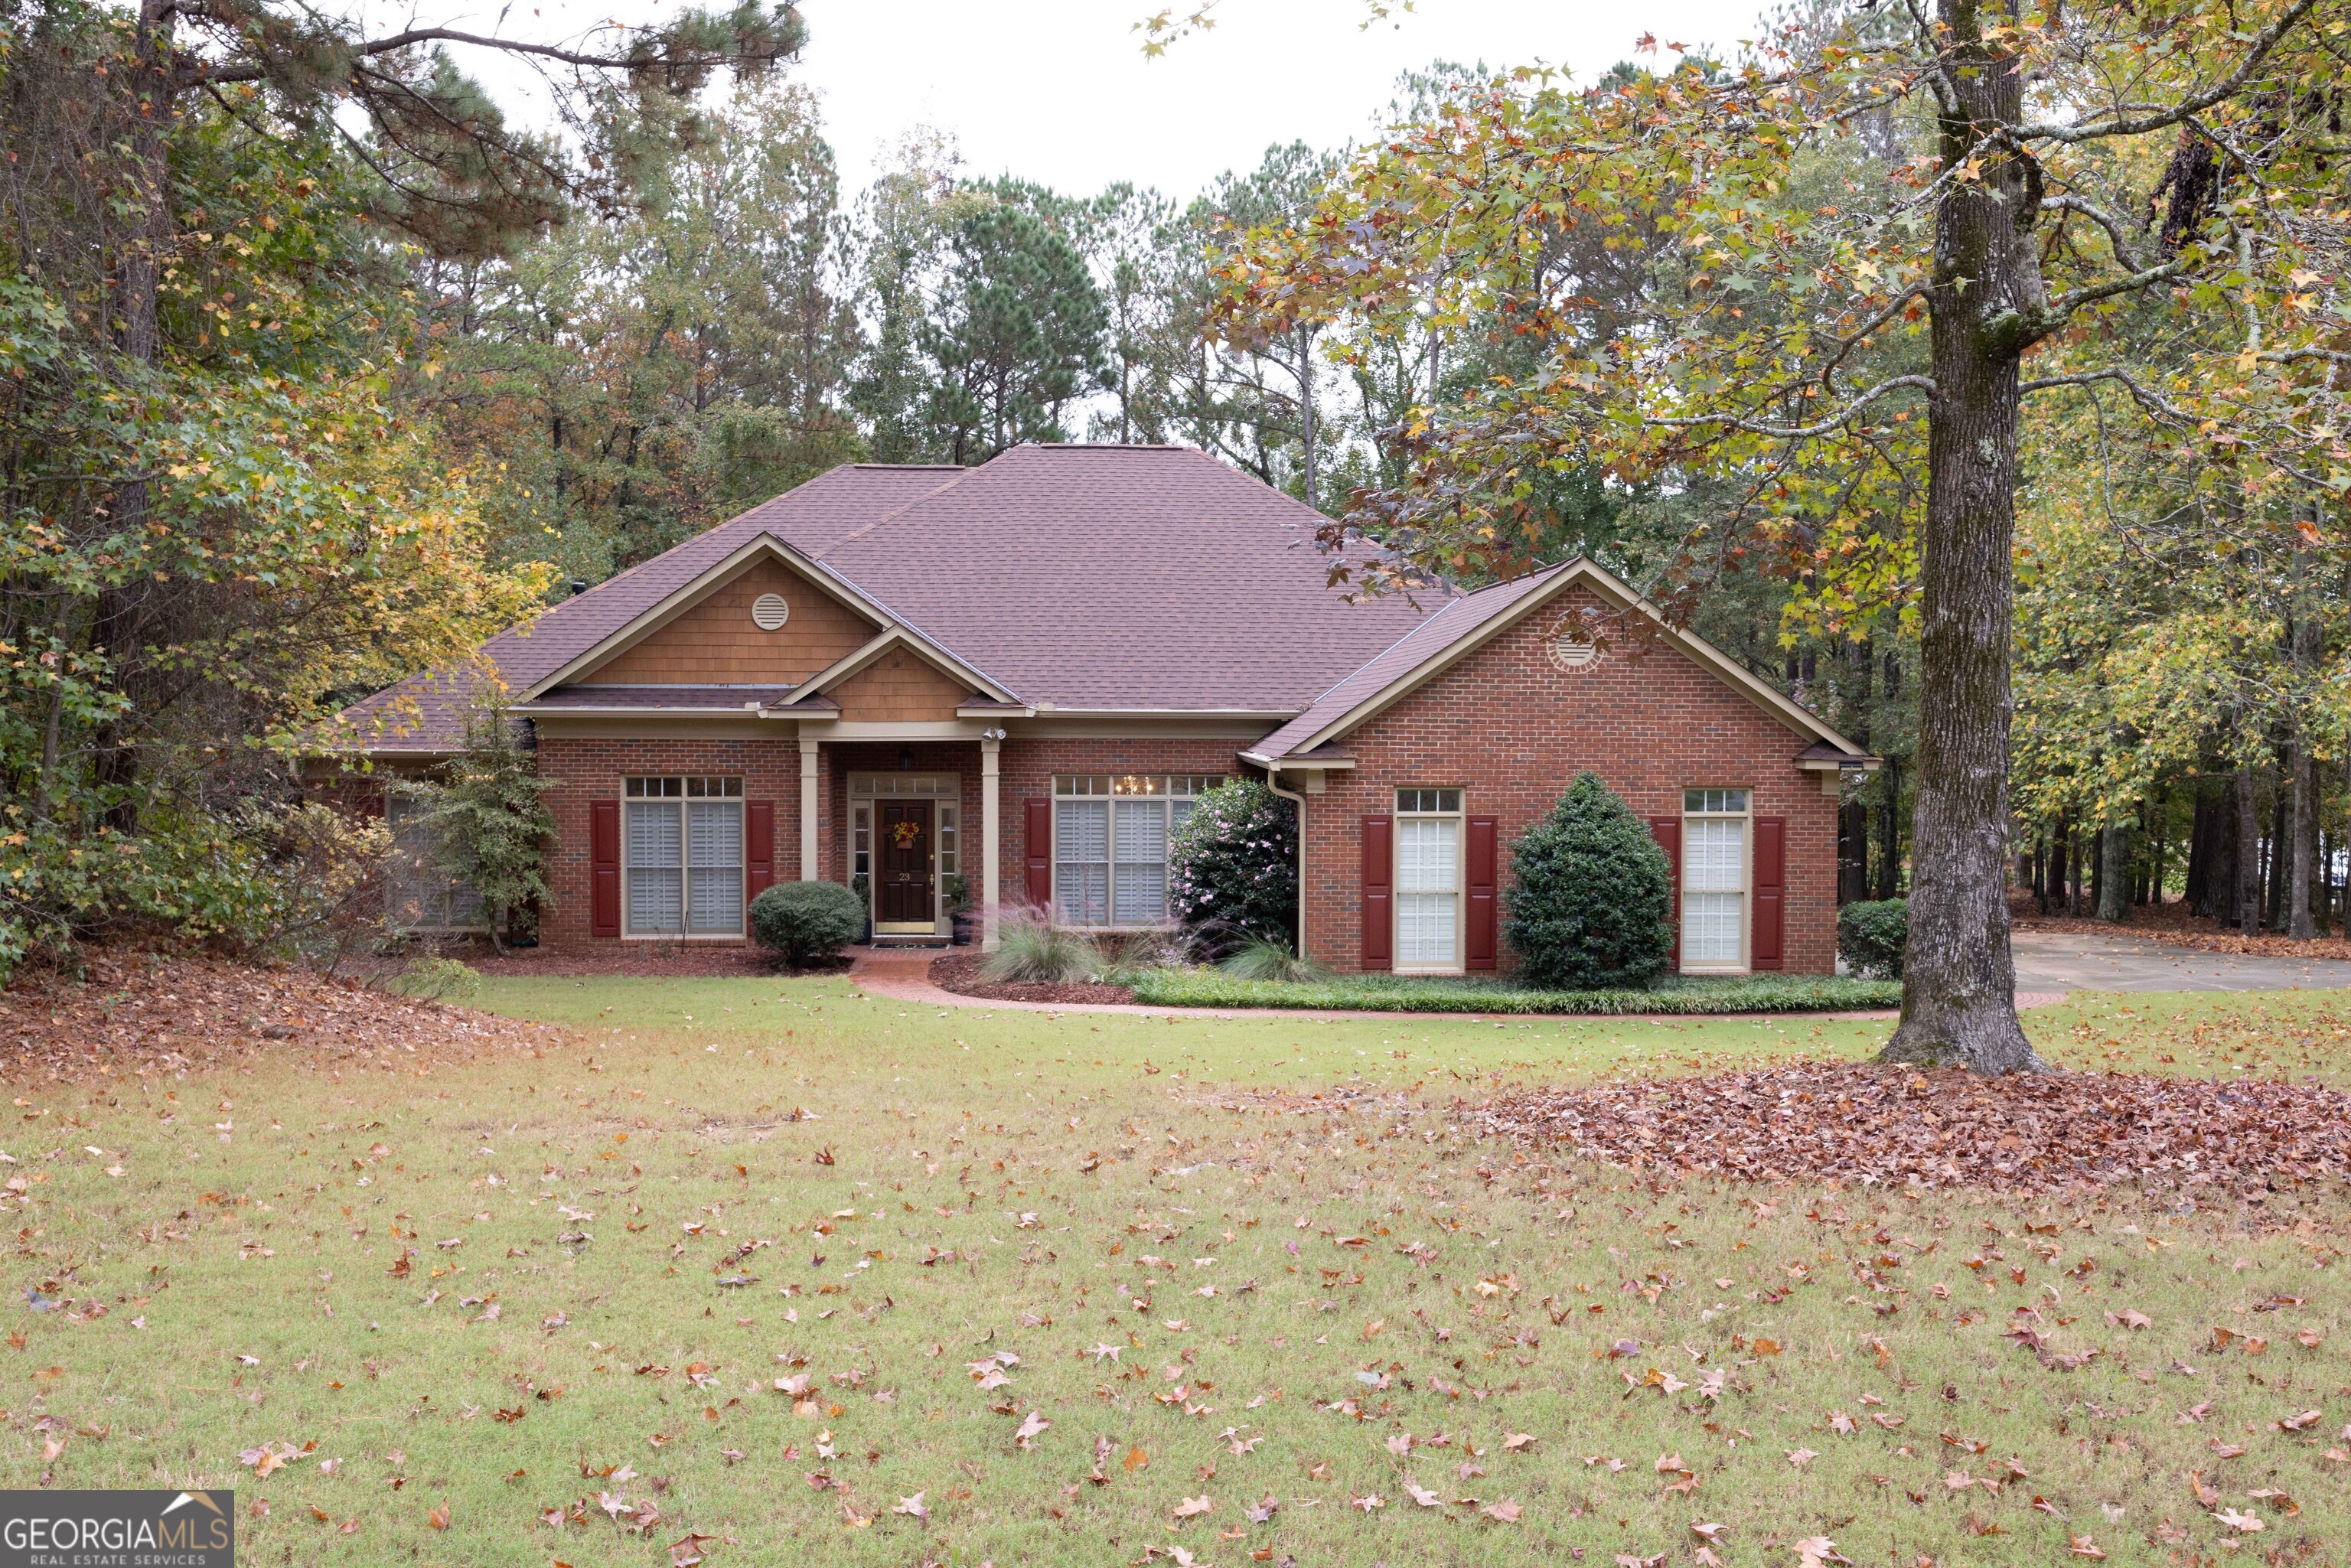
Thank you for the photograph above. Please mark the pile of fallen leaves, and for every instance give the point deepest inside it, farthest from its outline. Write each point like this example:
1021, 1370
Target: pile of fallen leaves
133, 1010
1856, 1123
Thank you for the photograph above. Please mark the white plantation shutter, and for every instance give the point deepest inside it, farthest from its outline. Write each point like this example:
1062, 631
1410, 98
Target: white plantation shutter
1714, 890
1427, 891
1142, 876
1081, 860
656, 883
714, 866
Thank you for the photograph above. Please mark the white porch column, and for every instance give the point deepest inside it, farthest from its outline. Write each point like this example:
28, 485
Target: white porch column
809, 870
992, 838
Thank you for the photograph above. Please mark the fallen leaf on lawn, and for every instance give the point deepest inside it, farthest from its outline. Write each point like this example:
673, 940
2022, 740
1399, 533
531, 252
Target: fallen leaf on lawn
2083, 1546
1193, 1507
1708, 1532
2247, 1522
1135, 1459
1506, 1511
1516, 1441
1370, 1503
1423, 1496
1814, 1551
1765, 1347
438, 1518
2296, 1423
1799, 1458
1032, 1426
912, 1507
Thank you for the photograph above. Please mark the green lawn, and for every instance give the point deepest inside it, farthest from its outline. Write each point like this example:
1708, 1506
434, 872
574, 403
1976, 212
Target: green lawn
1319, 1297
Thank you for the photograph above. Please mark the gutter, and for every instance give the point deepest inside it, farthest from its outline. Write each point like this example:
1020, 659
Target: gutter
1273, 782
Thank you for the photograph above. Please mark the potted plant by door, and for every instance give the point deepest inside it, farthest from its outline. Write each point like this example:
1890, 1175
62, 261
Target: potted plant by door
958, 889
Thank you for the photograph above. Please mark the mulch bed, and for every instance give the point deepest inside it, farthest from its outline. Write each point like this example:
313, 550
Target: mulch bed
642, 959
141, 1012
959, 973
2027, 1132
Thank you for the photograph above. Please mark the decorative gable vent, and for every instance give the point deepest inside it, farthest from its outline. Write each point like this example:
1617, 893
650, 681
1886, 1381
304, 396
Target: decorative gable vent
768, 613
1572, 645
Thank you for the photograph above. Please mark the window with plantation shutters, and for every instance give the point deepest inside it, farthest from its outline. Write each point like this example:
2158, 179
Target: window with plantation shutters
683, 854
1110, 833
1428, 879
1714, 879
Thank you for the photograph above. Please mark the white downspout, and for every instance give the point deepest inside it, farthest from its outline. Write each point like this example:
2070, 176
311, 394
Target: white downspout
1273, 782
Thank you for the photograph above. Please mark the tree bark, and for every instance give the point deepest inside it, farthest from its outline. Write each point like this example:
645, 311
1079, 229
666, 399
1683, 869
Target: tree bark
1959, 980
2113, 872
2302, 858
2245, 902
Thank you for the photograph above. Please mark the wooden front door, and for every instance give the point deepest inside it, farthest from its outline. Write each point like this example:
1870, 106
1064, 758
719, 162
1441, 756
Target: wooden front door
904, 895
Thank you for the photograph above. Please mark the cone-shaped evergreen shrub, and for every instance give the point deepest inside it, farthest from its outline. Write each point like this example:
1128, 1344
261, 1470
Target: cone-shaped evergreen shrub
1592, 906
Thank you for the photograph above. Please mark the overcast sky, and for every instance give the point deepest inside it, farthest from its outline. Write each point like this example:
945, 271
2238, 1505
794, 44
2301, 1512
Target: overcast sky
1058, 90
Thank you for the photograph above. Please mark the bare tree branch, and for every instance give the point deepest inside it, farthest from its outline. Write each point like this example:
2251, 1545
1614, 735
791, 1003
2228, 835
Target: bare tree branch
1806, 432
2265, 43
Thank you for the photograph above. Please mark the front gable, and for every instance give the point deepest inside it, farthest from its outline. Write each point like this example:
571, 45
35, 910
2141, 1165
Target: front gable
898, 687
716, 641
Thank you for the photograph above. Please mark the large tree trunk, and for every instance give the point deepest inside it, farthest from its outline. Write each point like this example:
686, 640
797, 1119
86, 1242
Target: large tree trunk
2303, 857
2245, 905
2113, 870
1959, 981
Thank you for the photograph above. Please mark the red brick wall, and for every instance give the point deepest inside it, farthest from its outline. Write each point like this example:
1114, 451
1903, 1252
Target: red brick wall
1512, 730
587, 770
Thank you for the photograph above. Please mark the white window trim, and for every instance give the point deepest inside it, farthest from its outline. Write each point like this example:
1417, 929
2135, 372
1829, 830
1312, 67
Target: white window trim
1397, 889
1110, 893
742, 931
1746, 876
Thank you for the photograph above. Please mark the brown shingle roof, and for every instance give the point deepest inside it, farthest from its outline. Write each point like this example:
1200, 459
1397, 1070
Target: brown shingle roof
1120, 577
1078, 577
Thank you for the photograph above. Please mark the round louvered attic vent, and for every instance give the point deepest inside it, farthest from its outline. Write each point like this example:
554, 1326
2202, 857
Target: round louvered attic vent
769, 612
1573, 648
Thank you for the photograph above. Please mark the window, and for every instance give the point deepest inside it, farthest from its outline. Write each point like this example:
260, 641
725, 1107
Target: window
1714, 879
424, 897
946, 852
861, 841
1110, 843
1428, 879
683, 846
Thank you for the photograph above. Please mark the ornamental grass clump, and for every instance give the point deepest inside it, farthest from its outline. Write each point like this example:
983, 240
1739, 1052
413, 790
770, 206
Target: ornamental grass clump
1593, 904
1232, 868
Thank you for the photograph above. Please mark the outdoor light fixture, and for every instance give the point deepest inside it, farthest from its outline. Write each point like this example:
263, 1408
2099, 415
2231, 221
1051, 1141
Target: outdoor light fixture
906, 760
991, 735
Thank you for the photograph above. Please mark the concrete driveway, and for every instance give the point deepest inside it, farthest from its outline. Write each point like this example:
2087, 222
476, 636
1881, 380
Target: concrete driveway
2064, 960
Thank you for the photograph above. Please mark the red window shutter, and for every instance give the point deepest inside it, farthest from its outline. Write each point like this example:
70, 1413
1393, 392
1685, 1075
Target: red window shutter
1483, 855
1379, 893
1770, 936
1036, 819
1668, 831
604, 854
760, 848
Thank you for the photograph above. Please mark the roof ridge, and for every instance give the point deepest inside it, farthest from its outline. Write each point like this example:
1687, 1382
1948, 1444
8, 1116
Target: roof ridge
862, 529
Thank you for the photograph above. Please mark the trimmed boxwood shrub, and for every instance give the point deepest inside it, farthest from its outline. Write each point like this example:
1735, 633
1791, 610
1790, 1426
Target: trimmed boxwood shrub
1593, 904
1871, 934
1232, 868
807, 921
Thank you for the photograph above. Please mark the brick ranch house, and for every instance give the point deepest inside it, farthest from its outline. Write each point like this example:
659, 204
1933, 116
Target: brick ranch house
1007, 684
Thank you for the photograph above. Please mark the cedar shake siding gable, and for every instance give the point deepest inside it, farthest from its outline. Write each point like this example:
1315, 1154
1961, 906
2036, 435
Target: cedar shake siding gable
424, 714
717, 643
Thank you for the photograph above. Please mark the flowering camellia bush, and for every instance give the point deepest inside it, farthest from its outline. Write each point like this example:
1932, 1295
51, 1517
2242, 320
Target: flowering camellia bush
1232, 868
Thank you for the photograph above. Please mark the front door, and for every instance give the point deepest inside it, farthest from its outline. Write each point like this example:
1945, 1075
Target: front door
902, 898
